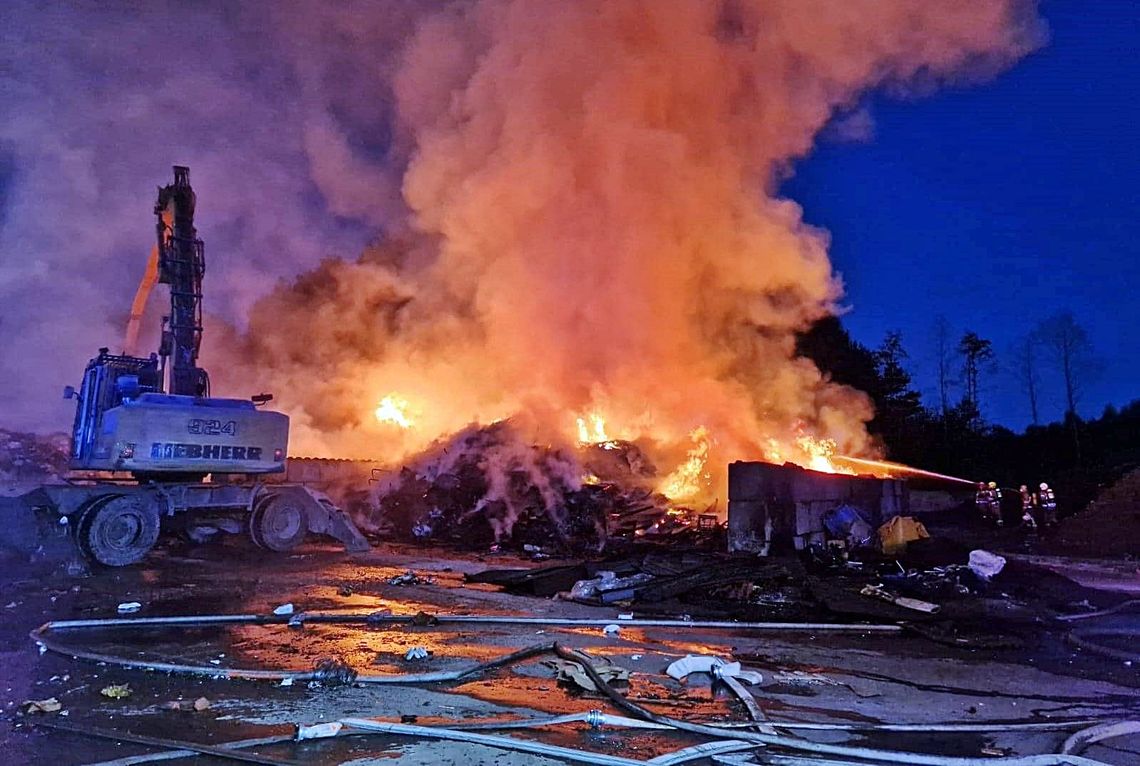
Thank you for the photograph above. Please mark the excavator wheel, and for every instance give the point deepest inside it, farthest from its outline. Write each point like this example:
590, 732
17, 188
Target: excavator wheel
118, 531
278, 522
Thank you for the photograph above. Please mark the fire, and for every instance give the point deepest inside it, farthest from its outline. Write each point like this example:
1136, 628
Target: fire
691, 478
819, 454
394, 409
592, 429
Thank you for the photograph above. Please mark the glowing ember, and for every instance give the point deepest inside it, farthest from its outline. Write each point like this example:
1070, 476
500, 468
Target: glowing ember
690, 480
394, 409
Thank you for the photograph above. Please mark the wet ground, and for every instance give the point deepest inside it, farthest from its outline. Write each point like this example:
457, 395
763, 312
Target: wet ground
808, 676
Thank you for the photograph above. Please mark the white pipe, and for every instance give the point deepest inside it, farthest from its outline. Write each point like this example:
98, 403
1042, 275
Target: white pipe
373, 619
1085, 737
705, 750
521, 745
595, 718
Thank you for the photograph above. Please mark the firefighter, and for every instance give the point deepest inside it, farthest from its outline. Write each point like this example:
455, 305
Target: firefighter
1047, 501
995, 503
1027, 502
982, 500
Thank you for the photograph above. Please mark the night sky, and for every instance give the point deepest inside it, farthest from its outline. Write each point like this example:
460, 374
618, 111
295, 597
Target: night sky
996, 205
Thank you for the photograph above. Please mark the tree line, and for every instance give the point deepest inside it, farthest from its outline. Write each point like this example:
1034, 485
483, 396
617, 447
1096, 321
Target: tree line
952, 435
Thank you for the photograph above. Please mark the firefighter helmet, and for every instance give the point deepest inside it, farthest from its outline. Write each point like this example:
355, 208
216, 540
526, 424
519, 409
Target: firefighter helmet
993, 485
1044, 486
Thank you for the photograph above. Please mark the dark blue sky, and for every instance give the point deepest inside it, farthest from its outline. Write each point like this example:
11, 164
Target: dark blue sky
998, 204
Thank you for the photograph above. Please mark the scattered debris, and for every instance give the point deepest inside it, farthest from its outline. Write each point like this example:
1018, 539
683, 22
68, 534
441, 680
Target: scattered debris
116, 691
878, 591
669, 581
572, 674
714, 666
128, 607
986, 565
612, 630
49, 705
417, 653
283, 610
198, 705
410, 578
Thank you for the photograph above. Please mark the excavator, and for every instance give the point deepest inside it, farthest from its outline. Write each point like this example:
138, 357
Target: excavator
150, 441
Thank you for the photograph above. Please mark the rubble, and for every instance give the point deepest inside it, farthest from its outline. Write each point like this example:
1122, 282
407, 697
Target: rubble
49, 705
572, 674
487, 486
410, 578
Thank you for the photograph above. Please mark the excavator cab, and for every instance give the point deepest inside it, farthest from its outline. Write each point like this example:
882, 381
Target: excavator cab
108, 382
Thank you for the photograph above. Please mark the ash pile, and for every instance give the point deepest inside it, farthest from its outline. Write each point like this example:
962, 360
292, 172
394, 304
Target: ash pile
487, 487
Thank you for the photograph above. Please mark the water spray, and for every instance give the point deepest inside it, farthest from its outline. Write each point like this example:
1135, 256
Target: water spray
898, 468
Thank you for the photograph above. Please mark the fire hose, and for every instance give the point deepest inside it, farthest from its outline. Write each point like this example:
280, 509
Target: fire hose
1084, 639
332, 672
740, 738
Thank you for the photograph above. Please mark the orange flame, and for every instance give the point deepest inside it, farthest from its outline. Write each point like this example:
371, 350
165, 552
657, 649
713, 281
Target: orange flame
690, 479
394, 409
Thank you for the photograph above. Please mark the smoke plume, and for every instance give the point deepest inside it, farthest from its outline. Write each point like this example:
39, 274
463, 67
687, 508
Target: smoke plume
574, 205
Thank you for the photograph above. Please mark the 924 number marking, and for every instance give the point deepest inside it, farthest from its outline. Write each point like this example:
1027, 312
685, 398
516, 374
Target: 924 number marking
212, 427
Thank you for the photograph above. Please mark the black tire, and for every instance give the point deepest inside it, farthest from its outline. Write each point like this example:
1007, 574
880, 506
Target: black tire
120, 530
278, 523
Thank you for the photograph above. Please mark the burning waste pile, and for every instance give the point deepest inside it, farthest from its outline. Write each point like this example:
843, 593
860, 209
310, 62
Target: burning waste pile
489, 486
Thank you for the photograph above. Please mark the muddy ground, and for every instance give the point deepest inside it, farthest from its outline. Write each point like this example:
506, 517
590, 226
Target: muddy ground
808, 676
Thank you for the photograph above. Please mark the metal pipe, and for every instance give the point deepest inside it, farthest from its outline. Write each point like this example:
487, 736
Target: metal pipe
382, 619
472, 738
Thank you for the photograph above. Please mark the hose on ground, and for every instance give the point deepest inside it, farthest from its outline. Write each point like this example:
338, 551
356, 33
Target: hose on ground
232, 754
41, 635
1077, 743
332, 672
1099, 613
383, 618
596, 718
170, 755
538, 748
1084, 639
791, 743
325, 672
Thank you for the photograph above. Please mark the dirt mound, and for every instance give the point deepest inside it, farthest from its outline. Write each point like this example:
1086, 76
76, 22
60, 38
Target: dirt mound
1109, 526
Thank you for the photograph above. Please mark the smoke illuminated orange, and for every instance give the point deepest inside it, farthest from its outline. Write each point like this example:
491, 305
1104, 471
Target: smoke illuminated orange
595, 245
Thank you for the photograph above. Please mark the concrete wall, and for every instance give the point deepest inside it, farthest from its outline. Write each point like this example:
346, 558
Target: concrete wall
792, 502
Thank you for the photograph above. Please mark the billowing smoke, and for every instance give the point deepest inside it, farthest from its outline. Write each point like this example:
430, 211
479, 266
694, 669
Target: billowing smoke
574, 204
594, 225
